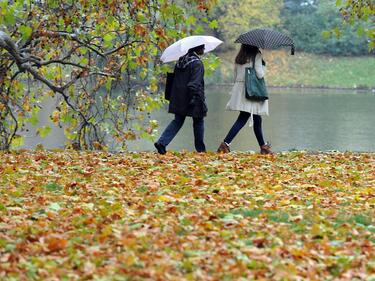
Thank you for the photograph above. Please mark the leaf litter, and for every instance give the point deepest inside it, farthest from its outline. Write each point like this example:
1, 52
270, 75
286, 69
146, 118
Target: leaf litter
187, 216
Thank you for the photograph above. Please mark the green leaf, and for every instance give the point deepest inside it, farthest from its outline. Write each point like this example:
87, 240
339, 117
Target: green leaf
187, 265
108, 40
360, 31
191, 20
108, 85
2, 207
69, 135
143, 74
338, 32
213, 24
326, 34
61, 23
9, 17
84, 61
132, 65
193, 253
52, 186
54, 207
3, 243
34, 116
199, 29
141, 17
26, 31
17, 141
44, 131
66, 118
367, 11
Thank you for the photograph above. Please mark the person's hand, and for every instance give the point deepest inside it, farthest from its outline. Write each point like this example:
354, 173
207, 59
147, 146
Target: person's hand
199, 107
193, 101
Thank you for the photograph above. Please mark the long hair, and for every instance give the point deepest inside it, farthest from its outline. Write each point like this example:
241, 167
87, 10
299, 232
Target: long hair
246, 53
196, 49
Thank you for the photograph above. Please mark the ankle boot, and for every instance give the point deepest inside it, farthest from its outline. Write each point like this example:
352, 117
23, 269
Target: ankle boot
161, 148
266, 149
223, 148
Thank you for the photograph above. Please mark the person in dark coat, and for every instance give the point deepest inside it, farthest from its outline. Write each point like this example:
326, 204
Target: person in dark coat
187, 99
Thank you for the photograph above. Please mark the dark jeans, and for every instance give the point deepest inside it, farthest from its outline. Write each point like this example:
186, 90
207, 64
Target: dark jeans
240, 122
171, 131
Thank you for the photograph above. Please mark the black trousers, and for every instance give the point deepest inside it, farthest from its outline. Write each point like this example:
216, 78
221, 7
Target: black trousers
172, 129
240, 122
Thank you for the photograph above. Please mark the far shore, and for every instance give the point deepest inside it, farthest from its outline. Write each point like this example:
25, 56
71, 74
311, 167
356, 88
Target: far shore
359, 89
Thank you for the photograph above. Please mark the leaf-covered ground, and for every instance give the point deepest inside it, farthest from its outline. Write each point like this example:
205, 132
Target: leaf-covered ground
187, 216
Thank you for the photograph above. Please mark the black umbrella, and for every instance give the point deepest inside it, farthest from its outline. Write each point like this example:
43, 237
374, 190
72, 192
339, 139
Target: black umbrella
266, 39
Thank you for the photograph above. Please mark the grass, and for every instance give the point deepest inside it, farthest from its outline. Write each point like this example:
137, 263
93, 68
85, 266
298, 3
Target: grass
308, 70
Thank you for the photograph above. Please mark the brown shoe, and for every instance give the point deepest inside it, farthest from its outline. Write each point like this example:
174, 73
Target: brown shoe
266, 149
223, 148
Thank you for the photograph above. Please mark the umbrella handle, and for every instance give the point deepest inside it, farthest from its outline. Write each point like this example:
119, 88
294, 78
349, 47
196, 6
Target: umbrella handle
292, 50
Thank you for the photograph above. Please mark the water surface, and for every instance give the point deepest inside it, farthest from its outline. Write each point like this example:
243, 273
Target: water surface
317, 120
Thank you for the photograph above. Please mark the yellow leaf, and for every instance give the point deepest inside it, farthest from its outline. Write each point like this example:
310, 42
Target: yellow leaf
316, 230
55, 116
164, 198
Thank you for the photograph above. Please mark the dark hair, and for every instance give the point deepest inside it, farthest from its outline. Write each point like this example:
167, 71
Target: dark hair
196, 49
246, 53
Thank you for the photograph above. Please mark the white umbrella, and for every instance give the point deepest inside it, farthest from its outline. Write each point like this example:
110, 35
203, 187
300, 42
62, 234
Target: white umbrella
180, 48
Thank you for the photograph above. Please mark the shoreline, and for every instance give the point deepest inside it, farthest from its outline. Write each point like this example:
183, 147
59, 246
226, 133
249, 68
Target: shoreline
359, 89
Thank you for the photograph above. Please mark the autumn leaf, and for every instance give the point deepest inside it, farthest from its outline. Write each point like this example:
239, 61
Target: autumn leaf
74, 52
188, 215
56, 243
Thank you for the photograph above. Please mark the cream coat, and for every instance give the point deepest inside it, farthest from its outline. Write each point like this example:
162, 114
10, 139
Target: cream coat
238, 101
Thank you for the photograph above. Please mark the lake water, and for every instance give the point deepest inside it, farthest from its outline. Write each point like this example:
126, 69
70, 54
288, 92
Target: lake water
316, 120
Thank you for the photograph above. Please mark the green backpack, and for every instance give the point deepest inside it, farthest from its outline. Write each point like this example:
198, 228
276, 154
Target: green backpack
255, 88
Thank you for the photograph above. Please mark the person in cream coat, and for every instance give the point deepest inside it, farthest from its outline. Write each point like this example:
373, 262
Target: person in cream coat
248, 56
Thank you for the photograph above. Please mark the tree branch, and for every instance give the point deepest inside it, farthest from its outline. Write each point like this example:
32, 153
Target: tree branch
7, 43
123, 45
100, 73
44, 63
37, 76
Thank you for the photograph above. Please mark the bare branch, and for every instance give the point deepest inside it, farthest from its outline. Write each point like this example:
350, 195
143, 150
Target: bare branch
125, 44
104, 74
44, 63
9, 110
39, 77
90, 47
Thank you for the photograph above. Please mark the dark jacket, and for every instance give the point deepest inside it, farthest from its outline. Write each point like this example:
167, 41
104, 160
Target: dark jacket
187, 95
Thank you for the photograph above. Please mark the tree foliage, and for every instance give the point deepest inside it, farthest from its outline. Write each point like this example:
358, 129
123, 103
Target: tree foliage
97, 59
362, 11
235, 17
316, 27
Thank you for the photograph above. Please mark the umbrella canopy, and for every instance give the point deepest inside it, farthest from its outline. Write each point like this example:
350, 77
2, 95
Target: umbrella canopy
266, 39
180, 48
